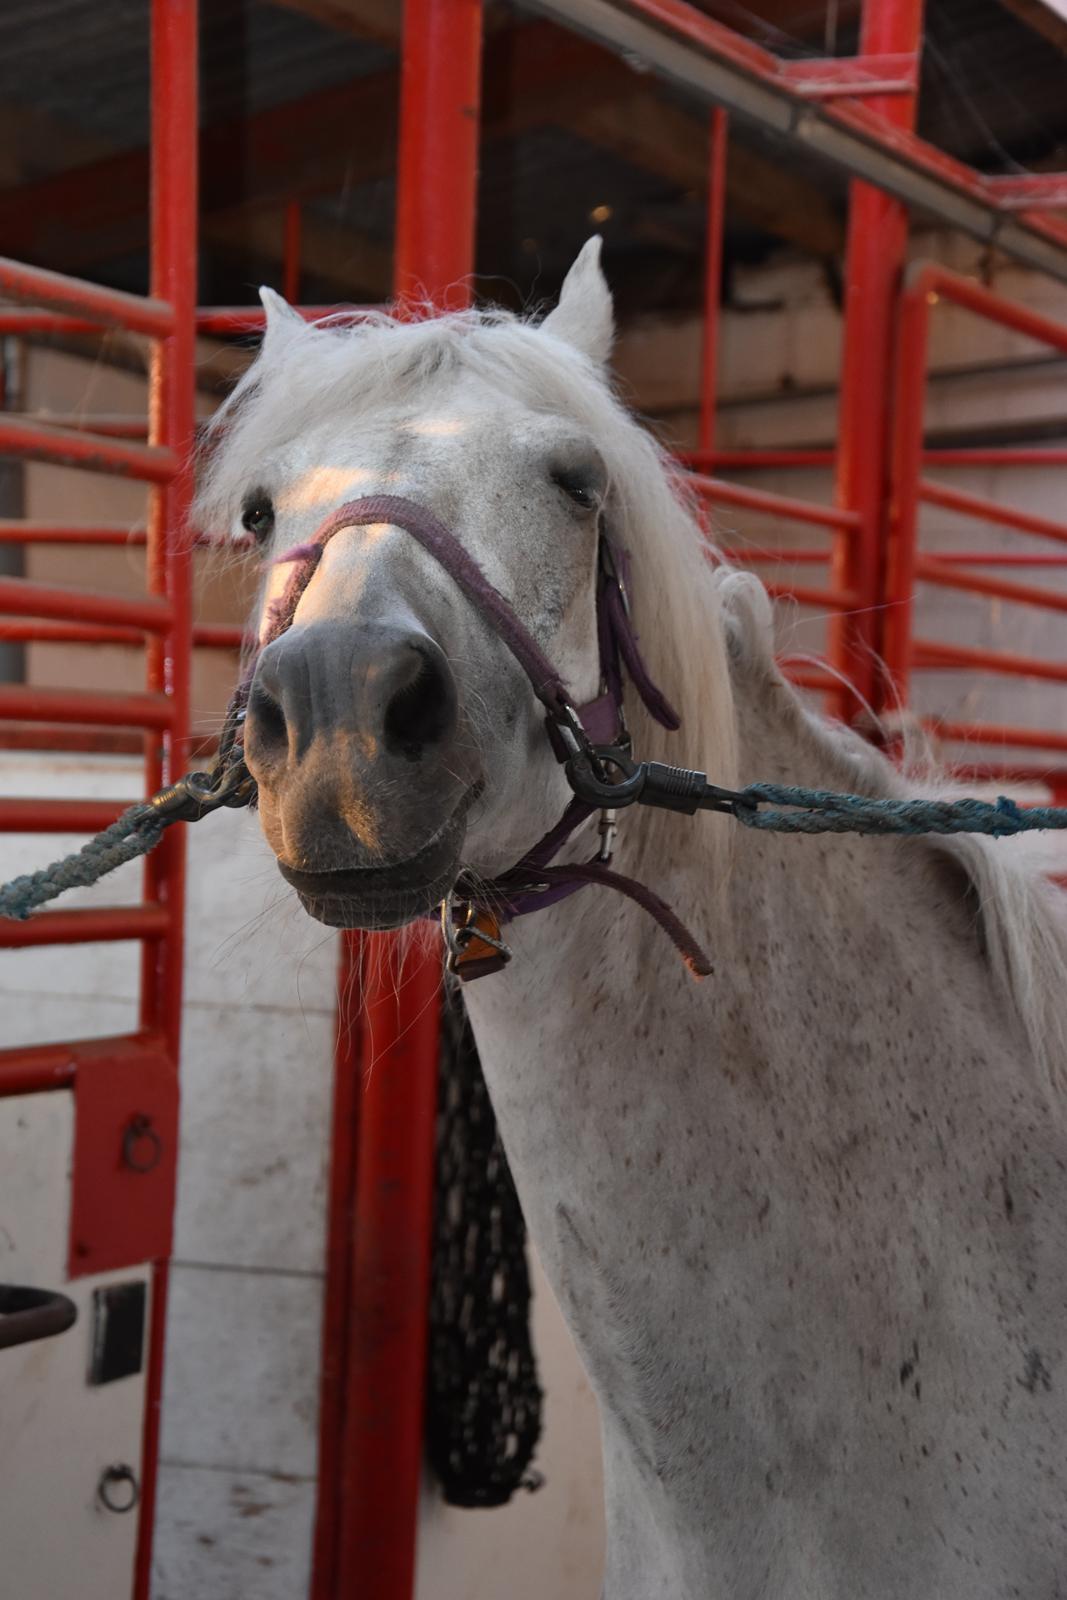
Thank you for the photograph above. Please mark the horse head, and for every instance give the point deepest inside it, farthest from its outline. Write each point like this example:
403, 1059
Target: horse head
393, 736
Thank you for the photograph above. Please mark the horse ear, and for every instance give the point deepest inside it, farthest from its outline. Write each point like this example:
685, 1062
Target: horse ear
584, 316
282, 321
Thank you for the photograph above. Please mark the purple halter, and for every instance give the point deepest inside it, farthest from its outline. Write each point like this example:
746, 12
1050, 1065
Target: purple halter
532, 883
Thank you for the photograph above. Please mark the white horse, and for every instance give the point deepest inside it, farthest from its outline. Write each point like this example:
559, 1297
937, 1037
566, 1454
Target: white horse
807, 1218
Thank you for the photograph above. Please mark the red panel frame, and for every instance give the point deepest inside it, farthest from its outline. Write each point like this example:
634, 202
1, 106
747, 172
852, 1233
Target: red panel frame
927, 285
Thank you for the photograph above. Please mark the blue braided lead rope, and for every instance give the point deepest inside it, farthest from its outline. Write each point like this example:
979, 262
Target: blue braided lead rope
822, 811
138, 830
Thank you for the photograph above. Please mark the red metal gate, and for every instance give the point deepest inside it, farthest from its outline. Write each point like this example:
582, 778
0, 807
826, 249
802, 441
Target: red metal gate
120, 1214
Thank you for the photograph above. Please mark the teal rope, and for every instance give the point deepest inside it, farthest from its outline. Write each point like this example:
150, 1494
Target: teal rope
138, 830
822, 811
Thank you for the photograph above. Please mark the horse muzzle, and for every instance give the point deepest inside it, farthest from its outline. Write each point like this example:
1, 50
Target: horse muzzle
365, 772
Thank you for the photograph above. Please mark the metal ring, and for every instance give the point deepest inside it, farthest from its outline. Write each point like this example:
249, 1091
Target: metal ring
109, 1478
140, 1131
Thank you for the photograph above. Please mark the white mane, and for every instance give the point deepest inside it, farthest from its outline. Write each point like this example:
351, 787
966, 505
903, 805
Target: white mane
684, 609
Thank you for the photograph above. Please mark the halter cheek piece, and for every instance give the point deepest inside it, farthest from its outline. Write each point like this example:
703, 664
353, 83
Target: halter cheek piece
591, 742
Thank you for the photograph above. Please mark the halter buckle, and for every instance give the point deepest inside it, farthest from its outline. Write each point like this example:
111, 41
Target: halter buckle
475, 948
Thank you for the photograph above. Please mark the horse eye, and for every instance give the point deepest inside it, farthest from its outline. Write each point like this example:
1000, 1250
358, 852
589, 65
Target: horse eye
257, 516
578, 488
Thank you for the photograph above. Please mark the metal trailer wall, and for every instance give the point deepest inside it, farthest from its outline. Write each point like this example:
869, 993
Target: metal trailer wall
857, 114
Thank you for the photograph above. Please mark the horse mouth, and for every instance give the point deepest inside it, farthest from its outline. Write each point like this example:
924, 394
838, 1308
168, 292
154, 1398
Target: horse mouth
386, 896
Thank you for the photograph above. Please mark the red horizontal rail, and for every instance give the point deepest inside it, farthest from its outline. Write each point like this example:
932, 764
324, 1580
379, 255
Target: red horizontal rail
999, 558
69, 447
997, 456
34, 815
987, 511
250, 319
37, 1068
27, 703
53, 737
97, 304
783, 556
992, 733
940, 283
218, 636
88, 926
780, 505
929, 654
1010, 772
149, 613
833, 599
985, 456
705, 460
931, 570
37, 632
20, 324
106, 424
15, 530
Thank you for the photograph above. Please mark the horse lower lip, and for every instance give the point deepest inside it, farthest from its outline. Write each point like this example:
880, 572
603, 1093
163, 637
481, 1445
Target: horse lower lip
356, 887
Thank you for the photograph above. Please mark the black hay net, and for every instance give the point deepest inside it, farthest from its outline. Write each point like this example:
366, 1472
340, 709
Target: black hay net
483, 1413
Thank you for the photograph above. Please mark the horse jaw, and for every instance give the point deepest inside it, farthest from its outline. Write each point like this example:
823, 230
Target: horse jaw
584, 317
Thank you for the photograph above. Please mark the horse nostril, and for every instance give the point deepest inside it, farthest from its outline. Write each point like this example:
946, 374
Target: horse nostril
265, 721
423, 710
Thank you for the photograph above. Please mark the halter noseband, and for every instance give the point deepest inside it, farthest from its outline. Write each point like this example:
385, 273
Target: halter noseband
591, 740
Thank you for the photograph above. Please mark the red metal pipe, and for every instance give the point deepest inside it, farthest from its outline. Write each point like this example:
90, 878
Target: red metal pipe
85, 927
53, 737
973, 505
72, 447
93, 301
218, 636
832, 599
172, 412
19, 324
998, 456
235, 320
106, 425
930, 280
998, 558
930, 570
782, 557
68, 633
927, 654
898, 584
390, 1271
716, 211
21, 596
17, 531
34, 815
734, 494
754, 460
990, 733
876, 253
28, 703
440, 99
366, 1537
37, 1068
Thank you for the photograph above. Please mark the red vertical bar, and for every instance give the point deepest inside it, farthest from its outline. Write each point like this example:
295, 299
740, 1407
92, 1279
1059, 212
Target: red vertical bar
877, 247
367, 1514
709, 355
909, 402
390, 1270
172, 421
437, 162
291, 248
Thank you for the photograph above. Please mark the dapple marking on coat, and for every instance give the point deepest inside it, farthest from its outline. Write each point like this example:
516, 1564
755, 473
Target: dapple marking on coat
807, 1220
